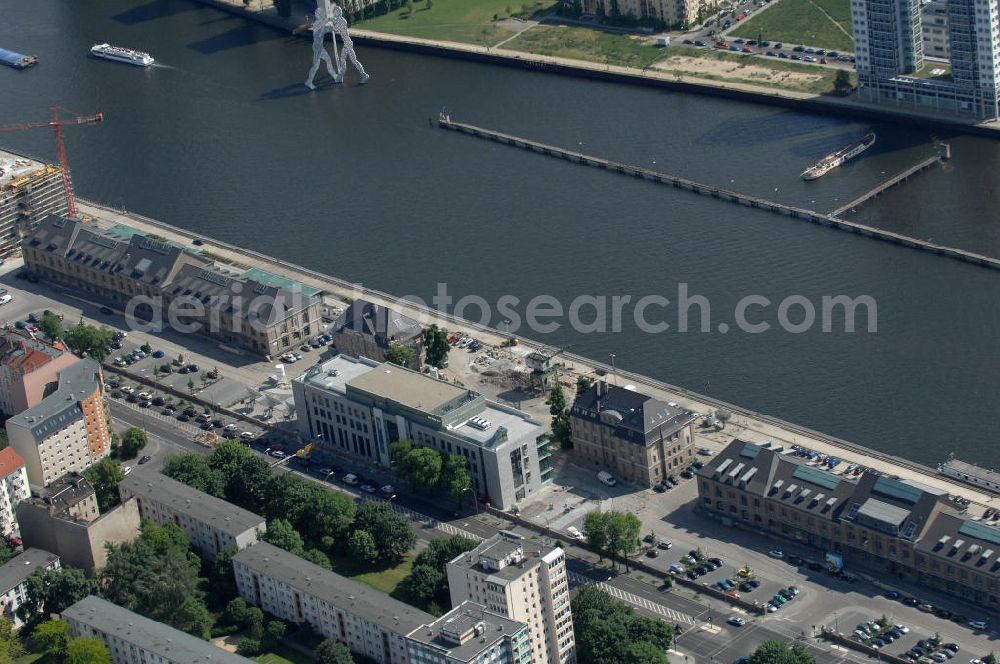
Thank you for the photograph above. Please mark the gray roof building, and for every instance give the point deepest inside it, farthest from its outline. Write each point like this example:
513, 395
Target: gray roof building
470, 634
15, 571
211, 523
332, 588
76, 382
124, 632
369, 330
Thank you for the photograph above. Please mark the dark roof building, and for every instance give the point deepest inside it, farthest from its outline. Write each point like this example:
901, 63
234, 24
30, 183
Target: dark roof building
368, 330
630, 434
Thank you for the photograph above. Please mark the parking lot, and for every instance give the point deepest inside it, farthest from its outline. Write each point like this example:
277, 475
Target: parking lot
892, 635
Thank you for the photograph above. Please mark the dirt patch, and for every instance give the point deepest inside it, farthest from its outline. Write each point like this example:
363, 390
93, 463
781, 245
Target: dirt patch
743, 72
228, 643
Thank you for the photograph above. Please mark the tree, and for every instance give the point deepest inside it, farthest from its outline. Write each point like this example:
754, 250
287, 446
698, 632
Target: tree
88, 650
436, 339
561, 429
429, 566
273, 633
249, 647
454, 479
133, 440
52, 637
623, 533
190, 385
53, 590
556, 400
330, 651
779, 652
156, 576
422, 585
842, 83
399, 354
362, 545
421, 467
582, 385
236, 611
193, 469
51, 326
392, 532
317, 557
430, 4
90, 340
284, 536
595, 528
193, 617
105, 476
609, 632
255, 623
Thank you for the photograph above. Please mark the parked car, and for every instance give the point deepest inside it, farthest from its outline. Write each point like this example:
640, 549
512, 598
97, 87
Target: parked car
776, 553
981, 625
246, 435
145, 459
350, 478
664, 543
388, 492
652, 553
576, 534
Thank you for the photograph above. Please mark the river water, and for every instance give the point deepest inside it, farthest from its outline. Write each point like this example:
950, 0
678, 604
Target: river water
222, 138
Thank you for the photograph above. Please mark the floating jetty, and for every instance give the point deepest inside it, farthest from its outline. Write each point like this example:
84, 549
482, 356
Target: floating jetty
16, 60
824, 219
898, 178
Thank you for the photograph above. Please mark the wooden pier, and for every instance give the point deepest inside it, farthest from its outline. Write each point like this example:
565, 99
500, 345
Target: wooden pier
898, 178
721, 193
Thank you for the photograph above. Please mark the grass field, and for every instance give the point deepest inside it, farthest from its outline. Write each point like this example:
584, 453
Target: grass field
802, 22
586, 44
467, 21
283, 655
385, 580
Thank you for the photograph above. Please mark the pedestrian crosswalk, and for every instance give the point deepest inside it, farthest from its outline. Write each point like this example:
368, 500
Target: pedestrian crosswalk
671, 615
433, 523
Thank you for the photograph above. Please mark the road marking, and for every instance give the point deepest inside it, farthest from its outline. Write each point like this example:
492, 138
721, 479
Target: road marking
653, 607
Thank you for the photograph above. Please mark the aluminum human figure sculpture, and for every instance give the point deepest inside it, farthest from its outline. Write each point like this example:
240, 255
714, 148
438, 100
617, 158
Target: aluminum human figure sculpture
323, 25
340, 28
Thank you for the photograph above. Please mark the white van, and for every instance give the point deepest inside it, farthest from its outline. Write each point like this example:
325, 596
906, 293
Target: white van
607, 478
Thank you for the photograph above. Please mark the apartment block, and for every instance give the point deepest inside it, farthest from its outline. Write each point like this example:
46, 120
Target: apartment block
163, 282
66, 521
896, 528
354, 408
13, 489
211, 524
135, 639
68, 430
14, 576
630, 434
667, 12
889, 38
29, 190
521, 581
29, 370
470, 634
367, 621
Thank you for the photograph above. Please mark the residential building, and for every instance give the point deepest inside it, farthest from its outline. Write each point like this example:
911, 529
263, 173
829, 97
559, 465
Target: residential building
665, 13
135, 639
630, 434
68, 430
470, 634
934, 29
354, 408
889, 51
29, 371
896, 528
522, 581
13, 489
29, 190
66, 522
367, 621
211, 524
370, 330
14, 576
164, 283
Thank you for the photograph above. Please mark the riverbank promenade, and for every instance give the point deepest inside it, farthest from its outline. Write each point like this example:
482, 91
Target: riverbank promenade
745, 424
264, 11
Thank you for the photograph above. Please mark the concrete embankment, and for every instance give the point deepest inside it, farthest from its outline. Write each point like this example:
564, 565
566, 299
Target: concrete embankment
748, 424
844, 106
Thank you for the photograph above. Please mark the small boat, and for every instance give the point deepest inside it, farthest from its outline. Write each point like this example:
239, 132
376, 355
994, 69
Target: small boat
844, 154
16, 60
121, 54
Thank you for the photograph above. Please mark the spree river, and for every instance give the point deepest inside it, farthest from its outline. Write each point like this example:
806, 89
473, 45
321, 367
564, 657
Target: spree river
221, 137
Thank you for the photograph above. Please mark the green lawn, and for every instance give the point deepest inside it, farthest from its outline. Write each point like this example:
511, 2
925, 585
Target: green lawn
586, 44
801, 22
283, 655
468, 21
385, 580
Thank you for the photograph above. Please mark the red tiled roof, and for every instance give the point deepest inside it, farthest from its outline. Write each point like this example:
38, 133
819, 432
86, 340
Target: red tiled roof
9, 461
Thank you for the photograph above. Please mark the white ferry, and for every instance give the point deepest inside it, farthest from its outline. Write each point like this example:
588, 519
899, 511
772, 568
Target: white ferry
844, 154
121, 54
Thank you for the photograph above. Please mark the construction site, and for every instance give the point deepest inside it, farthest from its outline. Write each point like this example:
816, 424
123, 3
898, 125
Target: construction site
29, 190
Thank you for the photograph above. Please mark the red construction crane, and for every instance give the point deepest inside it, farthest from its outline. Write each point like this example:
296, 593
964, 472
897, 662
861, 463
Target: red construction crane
57, 126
